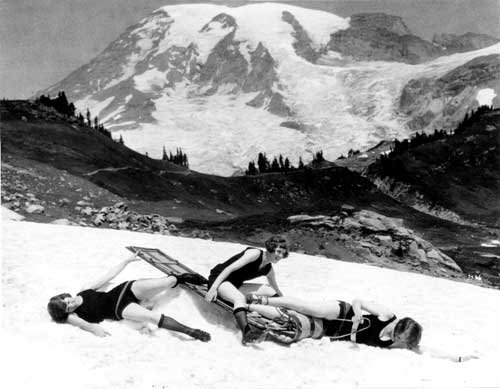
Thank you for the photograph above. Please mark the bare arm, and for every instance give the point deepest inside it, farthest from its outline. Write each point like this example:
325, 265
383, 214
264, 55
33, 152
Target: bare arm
358, 306
435, 353
110, 274
271, 277
77, 321
249, 256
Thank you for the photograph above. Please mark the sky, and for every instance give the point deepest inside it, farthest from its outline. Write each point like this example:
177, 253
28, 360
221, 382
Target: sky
42, 260
42, 41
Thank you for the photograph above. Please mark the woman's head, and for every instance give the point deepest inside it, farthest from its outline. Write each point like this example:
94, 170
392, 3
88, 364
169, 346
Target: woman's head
408, 333
277, 245
58, 307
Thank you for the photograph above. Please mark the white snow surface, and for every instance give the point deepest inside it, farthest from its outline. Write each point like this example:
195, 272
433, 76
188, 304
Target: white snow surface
486, 96
341, 107
42, 260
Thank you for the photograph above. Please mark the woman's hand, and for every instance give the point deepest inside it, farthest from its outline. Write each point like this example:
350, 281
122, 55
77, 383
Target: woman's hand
357, 319
211, 294
100, 332
133, 258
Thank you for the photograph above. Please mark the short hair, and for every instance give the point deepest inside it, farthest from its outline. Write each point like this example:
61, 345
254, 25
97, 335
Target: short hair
410, 330
57, 308
277, 241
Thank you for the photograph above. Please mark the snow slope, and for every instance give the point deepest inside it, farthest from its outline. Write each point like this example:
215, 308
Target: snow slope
42, 260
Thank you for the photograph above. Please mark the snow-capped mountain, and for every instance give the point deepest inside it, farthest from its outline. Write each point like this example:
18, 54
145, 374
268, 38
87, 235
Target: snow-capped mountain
225, 83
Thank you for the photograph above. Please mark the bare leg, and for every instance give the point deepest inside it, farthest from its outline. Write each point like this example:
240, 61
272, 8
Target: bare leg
146, 288
137, 313
324, 309
260, 289
229, 292
264, 310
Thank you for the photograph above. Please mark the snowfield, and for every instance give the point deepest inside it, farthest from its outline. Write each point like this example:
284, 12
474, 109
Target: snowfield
41, 260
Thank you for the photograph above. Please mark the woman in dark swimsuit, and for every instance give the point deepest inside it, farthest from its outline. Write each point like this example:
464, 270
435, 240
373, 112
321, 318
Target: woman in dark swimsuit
362, 322
227, 280
92, 305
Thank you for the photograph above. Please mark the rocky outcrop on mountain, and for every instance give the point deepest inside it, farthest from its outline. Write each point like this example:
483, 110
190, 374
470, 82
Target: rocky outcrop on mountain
379, 239
466, 42
381, 37
226, 65
443, 102
303, 45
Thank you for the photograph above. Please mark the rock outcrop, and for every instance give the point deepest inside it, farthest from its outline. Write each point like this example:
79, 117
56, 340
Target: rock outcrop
443, 102
378, 239
466, 42
381, 37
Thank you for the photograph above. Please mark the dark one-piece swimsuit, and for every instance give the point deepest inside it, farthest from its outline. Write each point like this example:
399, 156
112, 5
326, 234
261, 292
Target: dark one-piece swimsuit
238, 277
368, 331
98, 306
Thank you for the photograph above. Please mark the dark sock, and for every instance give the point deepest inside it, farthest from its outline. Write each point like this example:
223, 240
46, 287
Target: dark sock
173, 325
249, 334
190, 278
240, 314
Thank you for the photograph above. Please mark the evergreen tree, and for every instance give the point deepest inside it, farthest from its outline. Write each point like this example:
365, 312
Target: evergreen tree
282, 164
164, 156
122, 142
301, 163
71, 109
252, 170
275, 166
89, 122
287, 166
96, 123
262, 163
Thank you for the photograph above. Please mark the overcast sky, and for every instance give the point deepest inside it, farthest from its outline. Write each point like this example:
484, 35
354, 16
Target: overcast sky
42, 41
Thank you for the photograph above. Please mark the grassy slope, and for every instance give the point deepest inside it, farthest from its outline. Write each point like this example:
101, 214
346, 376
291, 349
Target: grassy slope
460, 173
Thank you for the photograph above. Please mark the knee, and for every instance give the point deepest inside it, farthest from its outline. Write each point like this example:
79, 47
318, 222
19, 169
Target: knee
266, 290
239, 301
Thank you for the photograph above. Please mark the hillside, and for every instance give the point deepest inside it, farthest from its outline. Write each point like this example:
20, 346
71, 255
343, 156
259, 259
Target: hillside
458, 173
55, 170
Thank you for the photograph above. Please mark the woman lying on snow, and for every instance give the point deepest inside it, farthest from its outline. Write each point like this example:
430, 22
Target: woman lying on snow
92, 305
361, 322
227, 280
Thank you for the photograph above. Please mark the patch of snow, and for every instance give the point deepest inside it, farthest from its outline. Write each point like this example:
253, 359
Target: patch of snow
150, 80
113, 115
95, 107
8, 214
486, 96
40, 261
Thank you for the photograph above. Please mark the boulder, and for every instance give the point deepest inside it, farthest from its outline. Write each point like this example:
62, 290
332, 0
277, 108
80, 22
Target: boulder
99, 219
87, 211
305, 218
349, 209
34, 208
120, 205
373, 224
174, 219
384, 240
350, 224
63, 222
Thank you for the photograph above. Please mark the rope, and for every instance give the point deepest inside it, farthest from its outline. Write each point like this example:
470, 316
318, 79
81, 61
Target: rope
332, 338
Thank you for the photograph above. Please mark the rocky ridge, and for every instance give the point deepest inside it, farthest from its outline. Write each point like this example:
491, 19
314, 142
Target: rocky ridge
443, 102
379, 239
